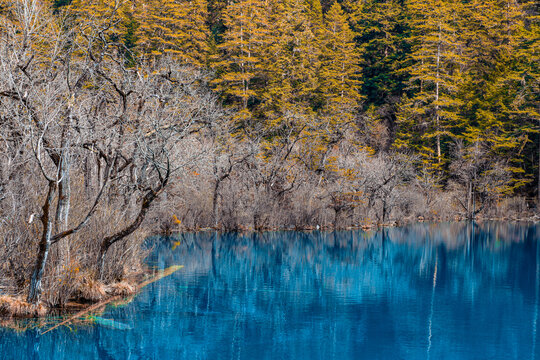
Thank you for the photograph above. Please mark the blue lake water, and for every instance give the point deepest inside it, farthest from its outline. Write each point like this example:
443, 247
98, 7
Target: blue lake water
427, 291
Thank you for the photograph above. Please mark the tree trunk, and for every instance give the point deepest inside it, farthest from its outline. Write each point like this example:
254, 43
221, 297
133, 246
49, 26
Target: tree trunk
63, 204
437, 115
384, 211
473, 215
215, 203
64, 190
34, 294
62, 210
469, 198
87, 177
98, 166
150, 196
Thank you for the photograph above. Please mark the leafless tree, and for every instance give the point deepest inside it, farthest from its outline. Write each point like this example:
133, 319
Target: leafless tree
481, 179
384, 173
77, 109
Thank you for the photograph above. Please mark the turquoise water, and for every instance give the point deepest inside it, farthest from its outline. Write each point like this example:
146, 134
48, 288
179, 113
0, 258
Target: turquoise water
445, 291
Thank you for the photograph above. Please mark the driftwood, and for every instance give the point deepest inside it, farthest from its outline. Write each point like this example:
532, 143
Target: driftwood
159, 276
168, 271
84, 312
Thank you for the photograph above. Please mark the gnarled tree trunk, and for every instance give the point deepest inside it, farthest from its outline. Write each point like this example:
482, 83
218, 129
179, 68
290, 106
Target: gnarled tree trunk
150, 196
34, 294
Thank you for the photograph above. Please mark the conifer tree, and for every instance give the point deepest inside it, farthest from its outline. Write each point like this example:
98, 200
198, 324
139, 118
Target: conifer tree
340, 70
527, 99
315, 16
497, 77
160, 27
429, 117
175, 28
196, 41
306, 52
240, 66
277, 62
293, 60
338, 79
383, 34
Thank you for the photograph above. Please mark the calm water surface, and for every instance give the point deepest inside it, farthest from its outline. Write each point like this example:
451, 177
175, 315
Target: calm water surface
446, 291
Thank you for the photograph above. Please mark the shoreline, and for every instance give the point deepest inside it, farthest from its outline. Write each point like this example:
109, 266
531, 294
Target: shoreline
365, 226
15, 307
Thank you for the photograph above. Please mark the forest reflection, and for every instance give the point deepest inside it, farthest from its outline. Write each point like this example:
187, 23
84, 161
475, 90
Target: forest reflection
354, 263
426, 291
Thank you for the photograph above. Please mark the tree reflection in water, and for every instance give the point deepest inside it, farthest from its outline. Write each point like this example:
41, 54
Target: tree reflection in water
424, 291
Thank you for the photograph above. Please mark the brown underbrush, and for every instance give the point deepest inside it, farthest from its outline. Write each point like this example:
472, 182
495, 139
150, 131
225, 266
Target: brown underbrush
385, 190
89, 291
18, 307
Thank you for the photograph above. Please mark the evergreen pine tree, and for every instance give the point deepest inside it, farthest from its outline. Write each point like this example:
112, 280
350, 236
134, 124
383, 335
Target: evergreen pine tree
175, 28
240, 64
339, 74
293, 60
383, 33
497, 77
429, 117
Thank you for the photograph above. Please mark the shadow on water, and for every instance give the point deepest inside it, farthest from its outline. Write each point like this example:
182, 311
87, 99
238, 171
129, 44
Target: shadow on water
426, 291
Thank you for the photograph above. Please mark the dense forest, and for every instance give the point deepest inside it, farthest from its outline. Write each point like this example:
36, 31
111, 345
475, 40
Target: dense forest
117, 115
454, 85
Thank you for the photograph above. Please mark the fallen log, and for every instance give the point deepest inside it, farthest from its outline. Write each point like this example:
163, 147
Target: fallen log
99, 305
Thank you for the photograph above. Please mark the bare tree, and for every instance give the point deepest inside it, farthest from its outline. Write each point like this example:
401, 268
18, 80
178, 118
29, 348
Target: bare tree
76, 108
480, 177
384, 173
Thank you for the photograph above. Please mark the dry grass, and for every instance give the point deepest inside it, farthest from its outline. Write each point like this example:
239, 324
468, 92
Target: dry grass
89, 289
17, 307
122, 288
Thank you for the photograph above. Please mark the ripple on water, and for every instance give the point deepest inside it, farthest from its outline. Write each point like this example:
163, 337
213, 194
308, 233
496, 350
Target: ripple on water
447, 291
